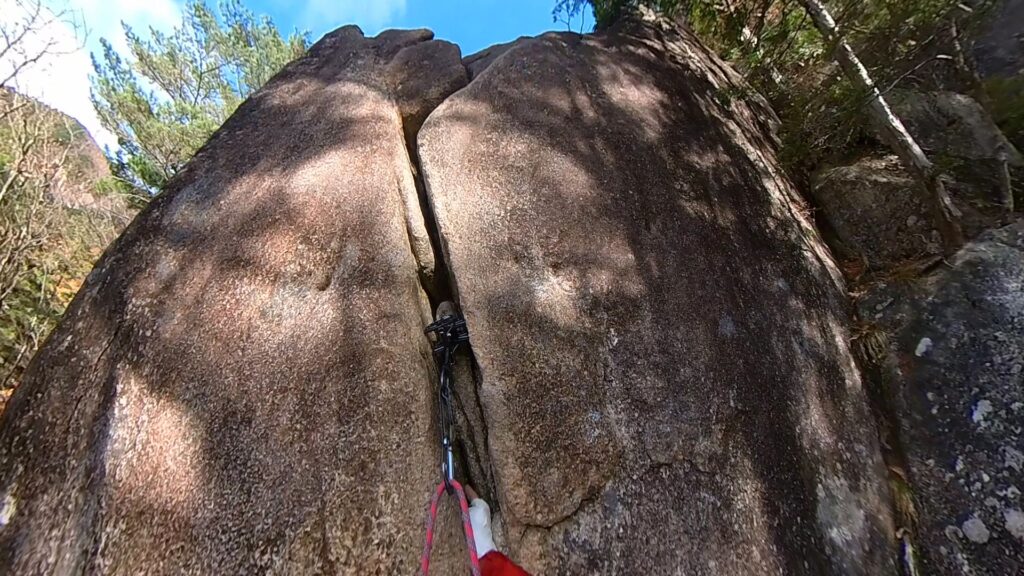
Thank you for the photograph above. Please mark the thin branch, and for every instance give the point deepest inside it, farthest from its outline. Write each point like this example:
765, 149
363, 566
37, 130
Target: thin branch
30, 26
1005, 181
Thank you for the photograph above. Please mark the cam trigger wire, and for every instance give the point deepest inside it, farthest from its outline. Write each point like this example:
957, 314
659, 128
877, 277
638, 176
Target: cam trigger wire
450, 331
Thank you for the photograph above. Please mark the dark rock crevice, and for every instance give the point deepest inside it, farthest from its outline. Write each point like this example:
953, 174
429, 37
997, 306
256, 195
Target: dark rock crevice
473, 449
433, 271
436, 67
420, 77
877, 368
473, 452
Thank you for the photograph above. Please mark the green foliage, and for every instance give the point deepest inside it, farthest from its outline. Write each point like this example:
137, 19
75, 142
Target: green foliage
50, 277
176, 89
1007, 100
607, 12
118, 189
46, 246
775, 46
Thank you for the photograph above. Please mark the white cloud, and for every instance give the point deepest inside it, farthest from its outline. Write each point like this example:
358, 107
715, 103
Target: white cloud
371, 15
61, 79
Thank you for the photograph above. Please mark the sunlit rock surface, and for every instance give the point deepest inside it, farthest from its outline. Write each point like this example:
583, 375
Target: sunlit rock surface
664, 367
662, 378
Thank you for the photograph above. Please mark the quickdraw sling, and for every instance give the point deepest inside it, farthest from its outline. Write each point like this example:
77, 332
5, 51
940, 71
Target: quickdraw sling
450, 330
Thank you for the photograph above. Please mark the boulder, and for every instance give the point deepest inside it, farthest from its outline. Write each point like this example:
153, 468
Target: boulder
479, 61
964, 142
242, 385
872, 210
659, 334
952, 126
952, 371
421, 76
998, 46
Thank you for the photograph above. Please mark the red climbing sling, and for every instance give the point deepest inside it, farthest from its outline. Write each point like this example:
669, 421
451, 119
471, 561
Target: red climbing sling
450, 330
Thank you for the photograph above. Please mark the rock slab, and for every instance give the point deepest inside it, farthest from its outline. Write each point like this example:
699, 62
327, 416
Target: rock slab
242, 386
663, 377
873, 208
954, 371
874, 211
660, 335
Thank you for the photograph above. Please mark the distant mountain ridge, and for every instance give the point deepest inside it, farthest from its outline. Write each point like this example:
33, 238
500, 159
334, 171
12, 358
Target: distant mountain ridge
60, 209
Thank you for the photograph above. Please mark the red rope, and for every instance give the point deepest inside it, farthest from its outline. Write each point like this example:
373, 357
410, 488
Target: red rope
467, 527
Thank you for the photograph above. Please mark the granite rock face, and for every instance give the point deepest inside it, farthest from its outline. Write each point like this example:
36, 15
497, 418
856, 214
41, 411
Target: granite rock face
661, 379
659, 334
997, 47
242, 386
954, 371
874, 211
478, 62
949, 125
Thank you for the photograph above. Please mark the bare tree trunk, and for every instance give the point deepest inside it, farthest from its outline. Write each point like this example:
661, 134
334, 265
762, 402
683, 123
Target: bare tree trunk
968, 73
945, 215
1005, 182
966, 68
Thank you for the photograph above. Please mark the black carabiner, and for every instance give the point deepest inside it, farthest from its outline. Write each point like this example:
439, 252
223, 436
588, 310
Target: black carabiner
450, 331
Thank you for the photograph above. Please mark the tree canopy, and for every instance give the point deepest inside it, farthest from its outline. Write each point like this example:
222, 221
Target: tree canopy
903, 43
57, 209
827, 70
175, 89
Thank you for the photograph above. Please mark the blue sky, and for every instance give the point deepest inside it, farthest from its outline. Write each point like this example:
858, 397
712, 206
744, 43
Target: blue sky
62, 80
473, 25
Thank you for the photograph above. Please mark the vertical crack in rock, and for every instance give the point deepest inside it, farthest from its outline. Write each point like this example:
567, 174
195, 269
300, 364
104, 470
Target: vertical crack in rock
420, 243
423, 235
473, 442
422, 77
